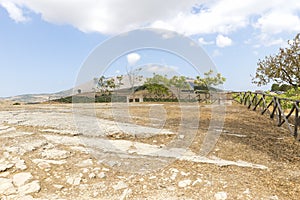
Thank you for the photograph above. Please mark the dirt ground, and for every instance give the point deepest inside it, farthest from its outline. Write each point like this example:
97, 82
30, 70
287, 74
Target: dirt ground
252, 159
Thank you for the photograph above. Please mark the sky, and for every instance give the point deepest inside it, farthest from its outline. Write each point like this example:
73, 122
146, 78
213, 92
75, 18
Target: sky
44, 44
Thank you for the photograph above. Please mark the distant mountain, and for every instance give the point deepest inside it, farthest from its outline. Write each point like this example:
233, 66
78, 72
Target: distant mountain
87, 87
35, 98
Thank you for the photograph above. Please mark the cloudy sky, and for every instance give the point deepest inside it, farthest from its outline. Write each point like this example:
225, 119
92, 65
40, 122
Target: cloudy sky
44, 43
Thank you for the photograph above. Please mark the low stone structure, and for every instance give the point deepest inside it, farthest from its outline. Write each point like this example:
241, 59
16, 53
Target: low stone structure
135, 98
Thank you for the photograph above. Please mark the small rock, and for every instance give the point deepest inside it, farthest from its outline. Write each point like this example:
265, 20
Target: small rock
208, 183
105, 169
6, 186
32, 187
184, 173
95, 194
85, 170
121, 185
85, 163
173, 177
181, 136
70, 180
74, 180
247, 191
44, 165
92, 175
20, 164
171, 188
152, 177
4, 174
49, 146
5, 166
33, 145
275, 197
197, 181
55, 154
184, 183
96, 169
112, 163
77, 181
221, 196
131, 151
125, 194
101, 175
16, 150
58, 186
83, 187
174, 170
21, 179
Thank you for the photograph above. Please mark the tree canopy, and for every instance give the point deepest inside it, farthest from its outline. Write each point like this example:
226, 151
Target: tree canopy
209, 80
157, 85
106, 85
281, 68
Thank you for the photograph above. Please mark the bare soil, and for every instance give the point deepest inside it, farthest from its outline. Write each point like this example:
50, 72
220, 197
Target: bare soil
246, 136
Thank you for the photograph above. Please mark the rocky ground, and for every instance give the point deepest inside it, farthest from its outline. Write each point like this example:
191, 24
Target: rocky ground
144, 151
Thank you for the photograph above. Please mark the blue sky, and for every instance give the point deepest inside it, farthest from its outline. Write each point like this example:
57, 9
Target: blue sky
43, 44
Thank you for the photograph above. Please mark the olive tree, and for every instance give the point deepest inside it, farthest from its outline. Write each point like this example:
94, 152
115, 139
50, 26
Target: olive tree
282, 68
209, 80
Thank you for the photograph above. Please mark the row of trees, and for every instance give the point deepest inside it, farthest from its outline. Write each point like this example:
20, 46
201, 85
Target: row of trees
159, 85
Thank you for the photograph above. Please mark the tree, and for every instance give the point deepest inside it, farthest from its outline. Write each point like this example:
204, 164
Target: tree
106, 85
119, 81
157, 85
275, 87
179, 83
285, 87
118, 84
133, 76
209, 80
281, 68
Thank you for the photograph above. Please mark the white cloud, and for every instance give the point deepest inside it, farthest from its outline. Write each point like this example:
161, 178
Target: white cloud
160, 69
223, 41
133, 58
277, 22
114, 16
267, 40
13, 10
204, 42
